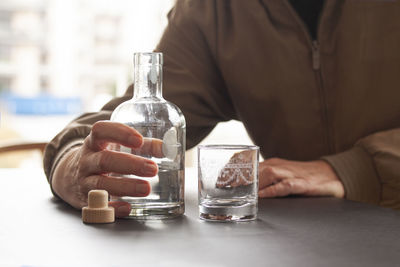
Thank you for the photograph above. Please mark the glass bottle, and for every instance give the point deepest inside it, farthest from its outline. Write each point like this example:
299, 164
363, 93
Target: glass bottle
163, 128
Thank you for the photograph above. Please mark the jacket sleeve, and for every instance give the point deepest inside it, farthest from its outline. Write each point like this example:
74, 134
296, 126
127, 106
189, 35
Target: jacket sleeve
191, 81
75, 132
370, 170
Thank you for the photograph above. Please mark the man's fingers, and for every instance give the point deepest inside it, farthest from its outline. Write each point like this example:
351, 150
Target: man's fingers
284, 188
268, 175
117, 186
122, 209
151, 147
104, 132
107, 161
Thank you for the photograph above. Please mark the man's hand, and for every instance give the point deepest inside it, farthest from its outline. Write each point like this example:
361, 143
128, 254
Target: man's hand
85, 168
279, 177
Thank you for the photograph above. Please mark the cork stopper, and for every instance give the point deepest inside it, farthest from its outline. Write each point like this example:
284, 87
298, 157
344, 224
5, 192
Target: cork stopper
98, 210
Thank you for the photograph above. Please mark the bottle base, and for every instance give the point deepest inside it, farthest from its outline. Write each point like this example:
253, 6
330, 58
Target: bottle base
156, 211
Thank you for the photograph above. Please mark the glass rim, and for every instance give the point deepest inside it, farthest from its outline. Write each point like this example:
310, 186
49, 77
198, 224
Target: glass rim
147, 53
148, 58
229, 147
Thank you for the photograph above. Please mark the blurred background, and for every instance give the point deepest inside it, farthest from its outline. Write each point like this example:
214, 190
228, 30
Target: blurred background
61, 58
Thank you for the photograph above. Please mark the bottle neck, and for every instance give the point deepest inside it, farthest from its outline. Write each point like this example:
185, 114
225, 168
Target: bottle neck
148, 81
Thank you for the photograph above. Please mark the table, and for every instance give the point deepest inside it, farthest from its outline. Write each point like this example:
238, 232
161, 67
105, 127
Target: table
38, 230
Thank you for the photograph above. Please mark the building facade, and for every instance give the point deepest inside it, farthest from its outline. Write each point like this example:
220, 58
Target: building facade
75, 48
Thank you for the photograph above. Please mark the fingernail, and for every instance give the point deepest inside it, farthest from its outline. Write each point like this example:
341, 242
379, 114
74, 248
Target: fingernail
124, 210
150, 168
142, 188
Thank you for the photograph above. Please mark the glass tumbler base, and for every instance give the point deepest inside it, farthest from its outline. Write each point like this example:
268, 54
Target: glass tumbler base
225, 213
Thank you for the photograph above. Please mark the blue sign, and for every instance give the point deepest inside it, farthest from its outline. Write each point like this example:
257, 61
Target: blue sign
42, 105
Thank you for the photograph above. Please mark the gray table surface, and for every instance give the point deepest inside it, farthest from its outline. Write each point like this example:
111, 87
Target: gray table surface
38, 230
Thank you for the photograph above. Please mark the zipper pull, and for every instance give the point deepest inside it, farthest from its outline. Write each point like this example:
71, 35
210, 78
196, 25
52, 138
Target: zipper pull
316, 55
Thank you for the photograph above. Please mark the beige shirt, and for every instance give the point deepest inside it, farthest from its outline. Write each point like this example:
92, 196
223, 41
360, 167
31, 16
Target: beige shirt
336, 98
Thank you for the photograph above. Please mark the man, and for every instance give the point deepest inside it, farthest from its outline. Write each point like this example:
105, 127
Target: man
315, 86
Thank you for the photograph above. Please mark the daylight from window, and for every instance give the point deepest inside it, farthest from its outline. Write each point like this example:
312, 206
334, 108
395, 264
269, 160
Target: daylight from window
61, 58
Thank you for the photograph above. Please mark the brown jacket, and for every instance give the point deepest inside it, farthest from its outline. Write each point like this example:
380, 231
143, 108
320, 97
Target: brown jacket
337, 98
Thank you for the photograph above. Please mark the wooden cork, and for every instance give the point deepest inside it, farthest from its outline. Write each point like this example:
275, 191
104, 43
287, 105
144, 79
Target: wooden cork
98, 210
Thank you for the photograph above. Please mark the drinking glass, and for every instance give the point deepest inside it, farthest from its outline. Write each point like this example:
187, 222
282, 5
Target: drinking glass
228, 182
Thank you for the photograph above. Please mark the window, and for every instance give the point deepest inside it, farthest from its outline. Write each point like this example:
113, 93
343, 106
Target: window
44, 84
5, 52
5, 18
5, 84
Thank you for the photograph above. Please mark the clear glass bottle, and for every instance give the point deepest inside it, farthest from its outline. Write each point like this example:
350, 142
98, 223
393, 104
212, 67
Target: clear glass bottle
163, 127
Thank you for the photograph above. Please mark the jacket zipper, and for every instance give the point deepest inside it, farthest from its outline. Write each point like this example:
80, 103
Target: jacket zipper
316, 65
316, 62
316, 55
